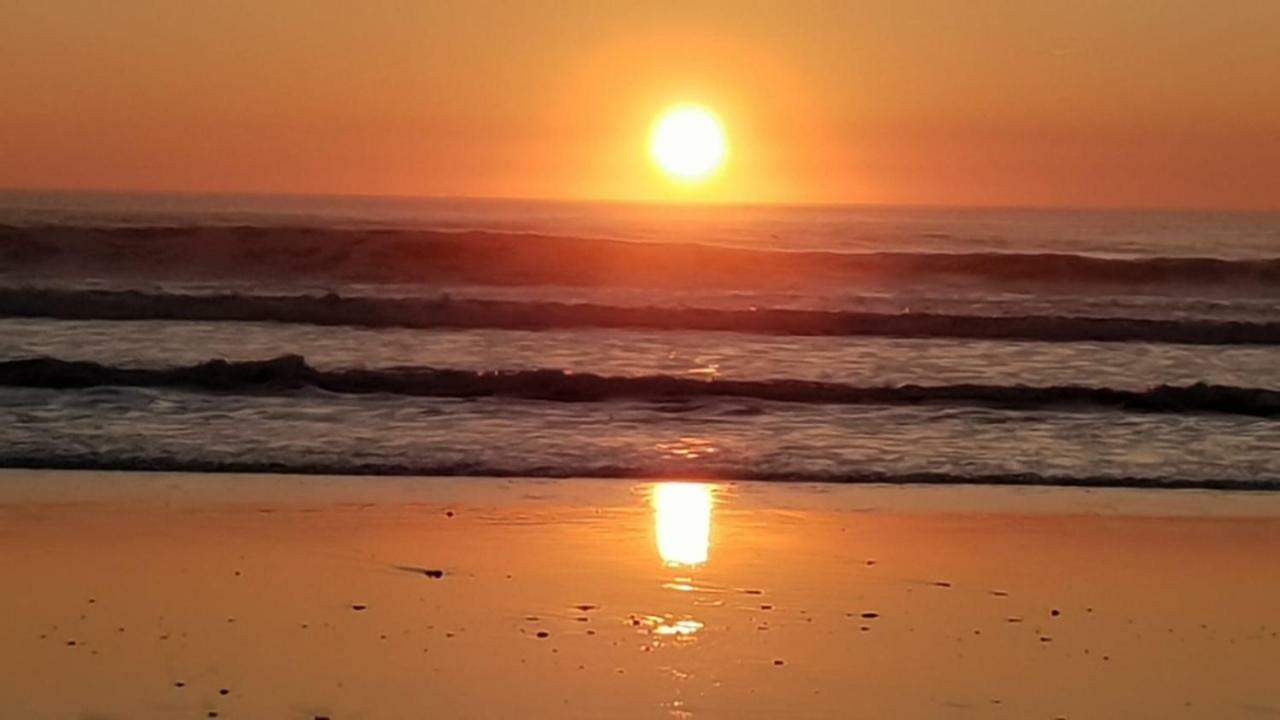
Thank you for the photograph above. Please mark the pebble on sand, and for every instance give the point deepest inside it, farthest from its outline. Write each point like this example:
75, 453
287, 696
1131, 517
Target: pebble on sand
432, 573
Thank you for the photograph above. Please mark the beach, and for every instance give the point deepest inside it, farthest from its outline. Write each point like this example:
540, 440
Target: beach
184, 595
596, 360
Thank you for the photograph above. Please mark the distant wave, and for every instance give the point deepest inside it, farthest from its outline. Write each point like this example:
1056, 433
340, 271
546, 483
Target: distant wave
494, 258
292, 372
73, 460
445, 312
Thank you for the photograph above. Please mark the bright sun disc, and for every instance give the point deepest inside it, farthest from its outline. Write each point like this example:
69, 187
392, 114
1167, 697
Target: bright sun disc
688, 142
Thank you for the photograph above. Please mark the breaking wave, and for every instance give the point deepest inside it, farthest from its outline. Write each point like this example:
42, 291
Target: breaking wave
445, 312
291, 372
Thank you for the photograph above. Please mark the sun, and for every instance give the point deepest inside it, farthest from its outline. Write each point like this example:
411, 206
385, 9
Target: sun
688, 143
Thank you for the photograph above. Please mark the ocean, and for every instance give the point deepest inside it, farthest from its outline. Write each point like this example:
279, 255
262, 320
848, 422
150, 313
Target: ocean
469, 337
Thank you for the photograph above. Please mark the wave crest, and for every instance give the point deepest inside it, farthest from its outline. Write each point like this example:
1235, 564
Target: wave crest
496, 258
333, 309
291, 372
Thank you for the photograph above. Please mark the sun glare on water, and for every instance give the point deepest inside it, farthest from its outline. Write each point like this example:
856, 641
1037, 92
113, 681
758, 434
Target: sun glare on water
683, 522
688, 143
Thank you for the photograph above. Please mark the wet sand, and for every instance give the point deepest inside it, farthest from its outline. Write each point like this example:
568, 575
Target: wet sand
170, 596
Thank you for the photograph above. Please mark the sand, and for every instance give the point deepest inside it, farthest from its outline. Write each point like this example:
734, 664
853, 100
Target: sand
170, 596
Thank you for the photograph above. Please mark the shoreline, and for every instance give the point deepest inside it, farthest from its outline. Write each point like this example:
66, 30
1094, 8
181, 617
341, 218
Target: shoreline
916, 481
20, 486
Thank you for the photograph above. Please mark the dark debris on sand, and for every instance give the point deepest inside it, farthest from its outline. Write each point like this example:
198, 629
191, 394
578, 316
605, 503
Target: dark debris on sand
433, 573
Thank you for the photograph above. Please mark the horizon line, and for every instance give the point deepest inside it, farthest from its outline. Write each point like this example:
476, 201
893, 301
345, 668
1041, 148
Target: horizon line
1030, 207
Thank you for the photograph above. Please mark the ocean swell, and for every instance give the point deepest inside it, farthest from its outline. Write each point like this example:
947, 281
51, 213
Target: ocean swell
496, 258
445, 312
291, 372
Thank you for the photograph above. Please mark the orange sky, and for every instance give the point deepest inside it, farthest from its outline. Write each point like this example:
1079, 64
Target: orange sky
1172, 103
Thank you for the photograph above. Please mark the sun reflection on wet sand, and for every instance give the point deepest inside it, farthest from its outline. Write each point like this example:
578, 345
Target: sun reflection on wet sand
682, 522
667, 625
